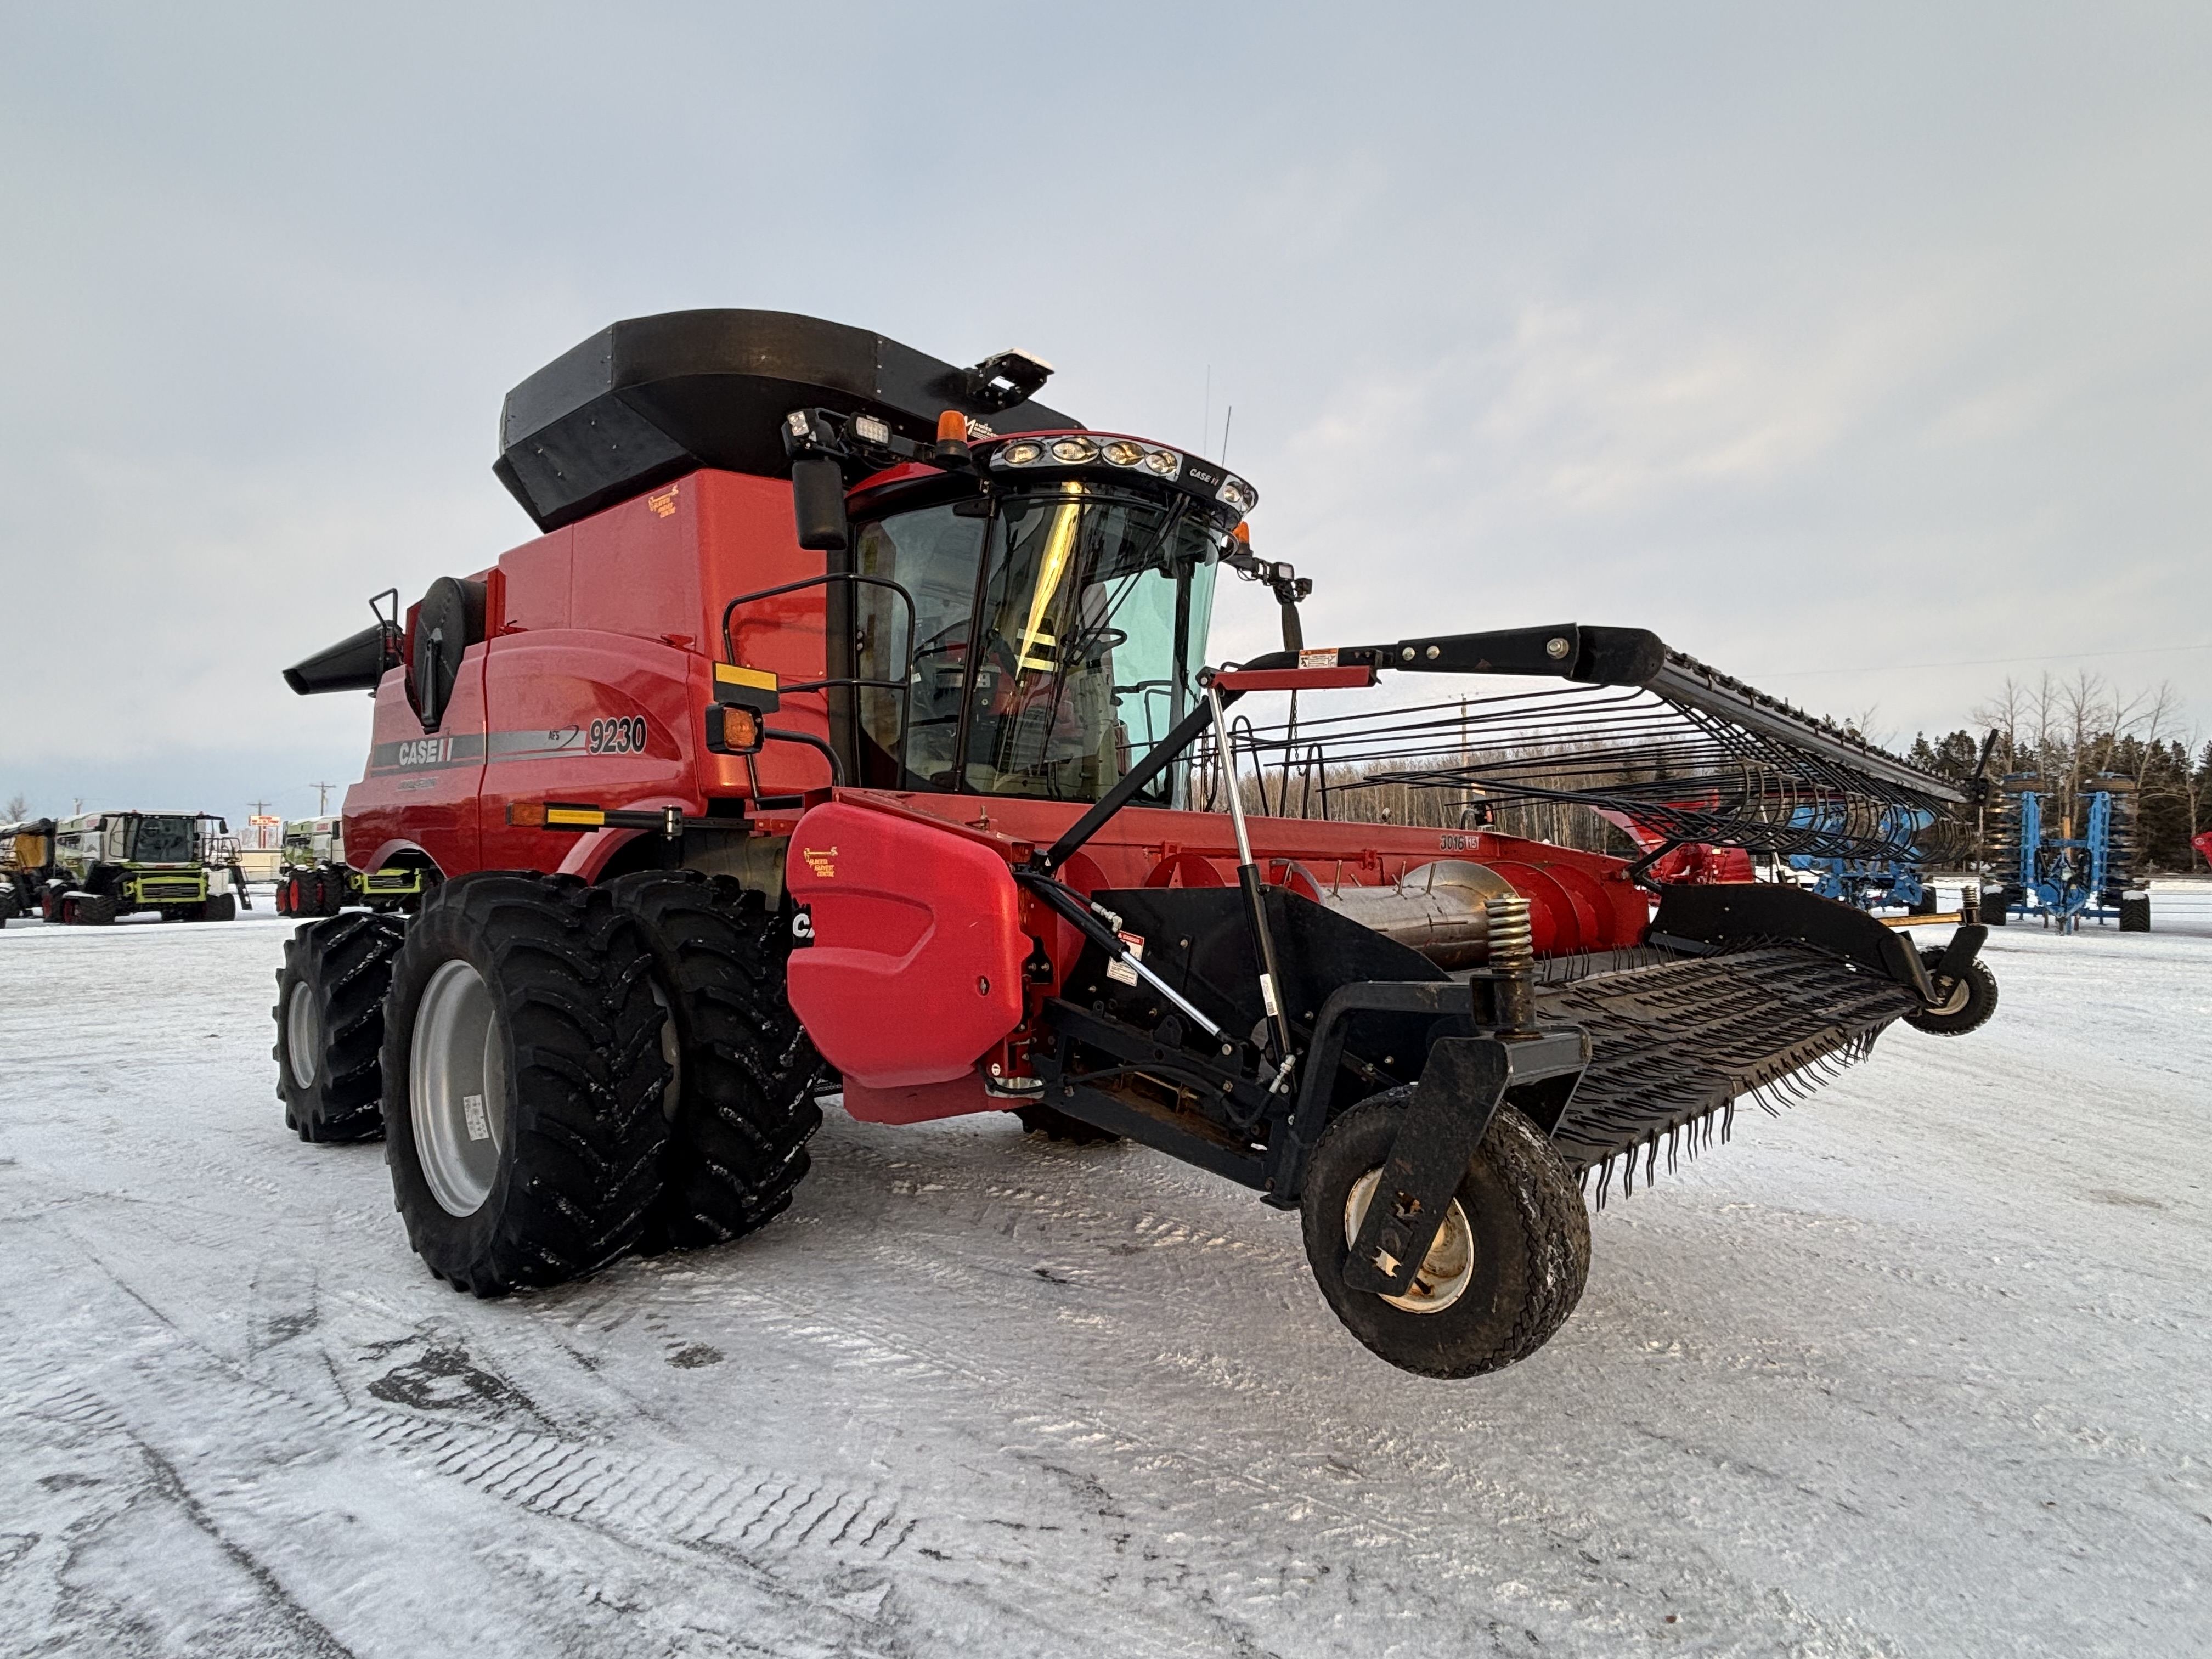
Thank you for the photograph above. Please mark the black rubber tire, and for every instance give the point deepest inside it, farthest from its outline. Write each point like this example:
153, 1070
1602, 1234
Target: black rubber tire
1055, 1125
742, 1104
1994, 909
220, 907
342, 967
288, 895
2134, 914
91, 910
1981, 1002
1531, 1233
49, 905
1925, 905
580, 1125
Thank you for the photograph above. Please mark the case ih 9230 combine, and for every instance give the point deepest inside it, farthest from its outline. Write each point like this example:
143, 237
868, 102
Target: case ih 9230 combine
852, 705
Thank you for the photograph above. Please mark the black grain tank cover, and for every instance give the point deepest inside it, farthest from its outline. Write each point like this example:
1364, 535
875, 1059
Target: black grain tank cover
648, 400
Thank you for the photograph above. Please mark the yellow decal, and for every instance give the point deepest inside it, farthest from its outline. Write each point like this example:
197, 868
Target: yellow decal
664, 504
728, 673
824, 864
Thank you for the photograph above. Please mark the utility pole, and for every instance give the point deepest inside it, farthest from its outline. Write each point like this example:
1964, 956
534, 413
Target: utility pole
322, 797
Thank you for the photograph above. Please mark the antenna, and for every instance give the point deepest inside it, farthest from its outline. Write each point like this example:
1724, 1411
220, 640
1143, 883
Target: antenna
1225, 421
322, 797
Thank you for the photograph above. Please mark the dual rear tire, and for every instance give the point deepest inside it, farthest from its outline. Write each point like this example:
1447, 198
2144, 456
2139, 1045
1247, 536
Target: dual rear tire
524, 1085
563, 1072
330, 1027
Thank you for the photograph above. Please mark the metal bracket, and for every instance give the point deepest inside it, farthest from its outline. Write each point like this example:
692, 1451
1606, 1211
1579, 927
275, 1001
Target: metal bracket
1959, 955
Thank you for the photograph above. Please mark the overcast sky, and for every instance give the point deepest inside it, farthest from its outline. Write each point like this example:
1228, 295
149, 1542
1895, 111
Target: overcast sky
1831, 343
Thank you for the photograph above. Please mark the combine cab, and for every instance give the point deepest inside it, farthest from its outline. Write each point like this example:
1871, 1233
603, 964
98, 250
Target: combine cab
96, 867
849, 728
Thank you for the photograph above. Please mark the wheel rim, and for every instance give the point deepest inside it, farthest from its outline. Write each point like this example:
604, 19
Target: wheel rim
1962, 993
457, 1088
303, 1036
1447, 1270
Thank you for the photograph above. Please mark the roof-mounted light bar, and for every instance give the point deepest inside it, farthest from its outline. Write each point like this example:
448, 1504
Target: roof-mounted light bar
1094, 449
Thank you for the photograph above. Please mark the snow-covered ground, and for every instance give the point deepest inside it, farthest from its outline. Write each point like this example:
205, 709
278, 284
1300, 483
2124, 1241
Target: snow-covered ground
1917, 1369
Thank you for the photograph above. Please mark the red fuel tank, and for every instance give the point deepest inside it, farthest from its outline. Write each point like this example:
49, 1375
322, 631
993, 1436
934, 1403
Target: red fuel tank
914, 968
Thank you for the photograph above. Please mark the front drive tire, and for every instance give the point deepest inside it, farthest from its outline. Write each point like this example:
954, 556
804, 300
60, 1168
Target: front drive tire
330, 1027
742, 1096
1512, 1258
523, 1081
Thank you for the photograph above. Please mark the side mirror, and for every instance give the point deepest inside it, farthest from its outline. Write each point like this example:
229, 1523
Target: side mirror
818, 504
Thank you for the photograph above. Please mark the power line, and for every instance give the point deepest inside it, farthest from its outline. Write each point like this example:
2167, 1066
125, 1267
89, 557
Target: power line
1975, 662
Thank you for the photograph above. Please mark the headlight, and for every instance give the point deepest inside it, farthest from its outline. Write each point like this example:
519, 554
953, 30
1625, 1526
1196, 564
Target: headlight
1074, 452
1122, 453
1237, 496
1021, 454
870, 430
1166, 462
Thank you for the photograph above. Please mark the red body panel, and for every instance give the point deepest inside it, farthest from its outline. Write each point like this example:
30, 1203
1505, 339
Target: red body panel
419, 791
916, 965
532, 717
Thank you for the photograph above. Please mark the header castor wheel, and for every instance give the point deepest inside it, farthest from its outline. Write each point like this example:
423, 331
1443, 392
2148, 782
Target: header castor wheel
1967, 1003
1507, 1266
523, 1081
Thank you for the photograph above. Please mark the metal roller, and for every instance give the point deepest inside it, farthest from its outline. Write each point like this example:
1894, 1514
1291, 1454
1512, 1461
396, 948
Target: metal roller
1438, 909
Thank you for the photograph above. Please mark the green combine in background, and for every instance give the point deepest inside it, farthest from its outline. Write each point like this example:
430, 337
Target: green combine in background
315, 880
96, 867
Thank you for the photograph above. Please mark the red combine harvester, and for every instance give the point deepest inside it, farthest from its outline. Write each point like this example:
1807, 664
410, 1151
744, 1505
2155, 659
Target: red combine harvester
846, 729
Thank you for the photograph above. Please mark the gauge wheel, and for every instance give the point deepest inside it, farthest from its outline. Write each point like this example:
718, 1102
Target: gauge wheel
1507, 1266
523, 1081
330, 1027
1966, 1002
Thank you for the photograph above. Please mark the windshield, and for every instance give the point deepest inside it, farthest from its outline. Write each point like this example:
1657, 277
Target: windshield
163, 840
1054, 639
